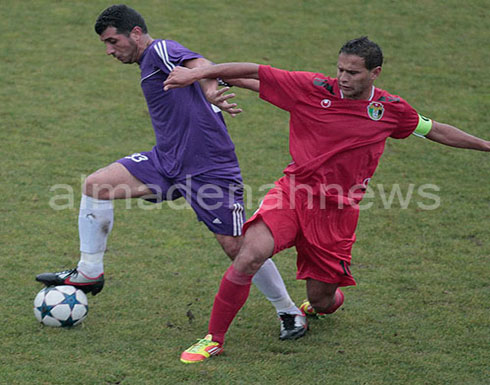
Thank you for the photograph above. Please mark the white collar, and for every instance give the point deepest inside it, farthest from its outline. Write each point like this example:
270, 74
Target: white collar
370, 98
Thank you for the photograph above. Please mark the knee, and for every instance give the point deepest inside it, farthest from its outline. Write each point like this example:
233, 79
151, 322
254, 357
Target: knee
247, 262
93, 187
88, 185
257, 247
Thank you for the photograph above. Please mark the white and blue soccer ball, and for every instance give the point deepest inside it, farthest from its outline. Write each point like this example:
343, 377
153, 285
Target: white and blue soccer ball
60, 306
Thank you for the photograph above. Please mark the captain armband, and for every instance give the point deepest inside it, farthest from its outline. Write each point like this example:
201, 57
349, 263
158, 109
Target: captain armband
424, 126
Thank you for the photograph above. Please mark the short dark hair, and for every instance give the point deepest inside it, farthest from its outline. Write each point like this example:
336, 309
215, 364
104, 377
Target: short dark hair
121, 17
365, 48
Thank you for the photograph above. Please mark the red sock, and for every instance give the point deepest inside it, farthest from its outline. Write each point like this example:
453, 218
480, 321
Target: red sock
232, 295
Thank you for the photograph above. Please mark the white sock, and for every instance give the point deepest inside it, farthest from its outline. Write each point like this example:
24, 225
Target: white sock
269, 281
95, 222
91, 265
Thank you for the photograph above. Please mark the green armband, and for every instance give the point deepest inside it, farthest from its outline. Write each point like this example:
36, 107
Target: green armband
424, 126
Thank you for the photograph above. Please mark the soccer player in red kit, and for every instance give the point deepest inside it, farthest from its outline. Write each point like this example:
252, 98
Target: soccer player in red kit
338, 129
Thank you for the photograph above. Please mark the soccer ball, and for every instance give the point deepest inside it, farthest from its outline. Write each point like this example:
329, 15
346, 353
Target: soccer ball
60, 306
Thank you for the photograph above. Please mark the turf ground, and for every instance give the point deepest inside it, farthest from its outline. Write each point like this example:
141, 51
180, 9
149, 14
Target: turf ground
420, 313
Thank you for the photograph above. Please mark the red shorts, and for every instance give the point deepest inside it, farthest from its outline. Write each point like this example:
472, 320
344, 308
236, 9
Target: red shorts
322, 232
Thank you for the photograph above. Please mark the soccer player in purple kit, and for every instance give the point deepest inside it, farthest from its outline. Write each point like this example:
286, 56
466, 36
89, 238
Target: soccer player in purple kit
193, 158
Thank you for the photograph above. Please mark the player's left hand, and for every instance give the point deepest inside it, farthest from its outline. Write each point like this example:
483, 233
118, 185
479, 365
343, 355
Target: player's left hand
220, 99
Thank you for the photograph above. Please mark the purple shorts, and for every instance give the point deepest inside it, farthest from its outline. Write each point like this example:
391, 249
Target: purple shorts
215, 196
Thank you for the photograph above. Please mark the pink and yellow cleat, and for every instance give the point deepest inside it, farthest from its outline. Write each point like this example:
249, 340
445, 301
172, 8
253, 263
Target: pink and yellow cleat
201, 350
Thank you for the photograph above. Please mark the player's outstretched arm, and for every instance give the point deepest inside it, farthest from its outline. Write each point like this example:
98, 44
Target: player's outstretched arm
181, 77
454, 137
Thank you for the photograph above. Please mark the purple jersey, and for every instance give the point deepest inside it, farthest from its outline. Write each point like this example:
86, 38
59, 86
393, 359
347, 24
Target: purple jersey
191, 135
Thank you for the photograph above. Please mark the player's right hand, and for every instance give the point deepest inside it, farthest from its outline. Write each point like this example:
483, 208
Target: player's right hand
179, 77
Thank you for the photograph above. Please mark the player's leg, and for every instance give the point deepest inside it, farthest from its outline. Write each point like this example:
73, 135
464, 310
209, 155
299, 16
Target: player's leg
267, 279
95, 222
218, 202
272, 228
114, 182
96, 213
323, 298
233, 292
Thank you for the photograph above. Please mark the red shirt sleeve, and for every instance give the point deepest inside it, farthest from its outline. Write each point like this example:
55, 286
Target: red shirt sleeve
407, 123
283, 88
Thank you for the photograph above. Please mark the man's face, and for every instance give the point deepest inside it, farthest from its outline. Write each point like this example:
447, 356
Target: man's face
355, 80
122, 47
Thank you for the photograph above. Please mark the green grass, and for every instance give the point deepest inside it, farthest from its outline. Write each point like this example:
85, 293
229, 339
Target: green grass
420, 312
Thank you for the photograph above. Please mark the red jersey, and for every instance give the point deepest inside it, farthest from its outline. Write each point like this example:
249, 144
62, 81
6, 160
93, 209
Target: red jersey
335, 143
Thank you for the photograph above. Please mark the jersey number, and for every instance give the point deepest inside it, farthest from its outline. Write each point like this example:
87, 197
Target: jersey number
137, 157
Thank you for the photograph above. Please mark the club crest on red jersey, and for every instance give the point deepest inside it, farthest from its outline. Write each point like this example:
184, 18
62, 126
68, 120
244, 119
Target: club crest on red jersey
326, 103
375, 110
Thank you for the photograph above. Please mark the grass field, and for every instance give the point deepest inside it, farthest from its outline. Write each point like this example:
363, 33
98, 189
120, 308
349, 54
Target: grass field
420, 313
